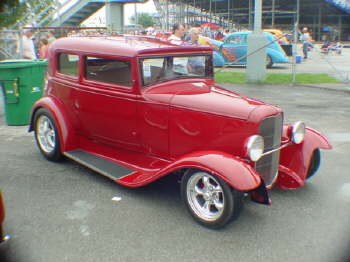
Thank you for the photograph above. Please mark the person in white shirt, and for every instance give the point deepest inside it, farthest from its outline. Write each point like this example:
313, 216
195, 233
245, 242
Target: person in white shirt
305, 38
178, 33
28, 45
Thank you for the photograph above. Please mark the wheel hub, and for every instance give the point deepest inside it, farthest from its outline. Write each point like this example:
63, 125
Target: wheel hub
205, 196
46, 134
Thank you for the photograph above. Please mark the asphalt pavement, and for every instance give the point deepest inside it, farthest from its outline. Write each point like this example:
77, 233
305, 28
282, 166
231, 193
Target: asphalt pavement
65, 212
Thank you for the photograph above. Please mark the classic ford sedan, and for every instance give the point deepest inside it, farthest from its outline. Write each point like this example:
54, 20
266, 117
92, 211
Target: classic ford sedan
135, 110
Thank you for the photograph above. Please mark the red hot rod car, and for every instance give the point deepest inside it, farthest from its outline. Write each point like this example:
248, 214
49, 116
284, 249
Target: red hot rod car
136, 110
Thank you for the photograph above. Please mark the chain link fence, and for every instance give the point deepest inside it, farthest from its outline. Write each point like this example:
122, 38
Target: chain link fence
332, 61
11, 44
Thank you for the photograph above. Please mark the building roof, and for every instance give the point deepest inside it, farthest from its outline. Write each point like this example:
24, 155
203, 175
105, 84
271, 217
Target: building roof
341, 4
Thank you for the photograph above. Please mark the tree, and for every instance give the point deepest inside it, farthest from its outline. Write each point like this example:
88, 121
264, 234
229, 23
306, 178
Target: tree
10, 11
16, 13
144, 19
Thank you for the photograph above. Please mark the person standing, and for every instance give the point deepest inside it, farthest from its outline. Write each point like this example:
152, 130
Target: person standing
178, 33
194, 35
28, 45
44, 48
305, 38
51, 37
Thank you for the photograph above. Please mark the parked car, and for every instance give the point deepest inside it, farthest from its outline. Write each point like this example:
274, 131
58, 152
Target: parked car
282, 39
3, 237
136, 110
233, 50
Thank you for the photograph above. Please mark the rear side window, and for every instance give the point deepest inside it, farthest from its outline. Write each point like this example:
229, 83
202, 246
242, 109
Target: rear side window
108, 71
68, 64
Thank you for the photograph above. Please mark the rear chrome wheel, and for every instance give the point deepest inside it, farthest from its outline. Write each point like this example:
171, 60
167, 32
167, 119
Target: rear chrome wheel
46, 135
209, 199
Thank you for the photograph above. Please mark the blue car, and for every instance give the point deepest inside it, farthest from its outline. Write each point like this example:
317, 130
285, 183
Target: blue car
233, 50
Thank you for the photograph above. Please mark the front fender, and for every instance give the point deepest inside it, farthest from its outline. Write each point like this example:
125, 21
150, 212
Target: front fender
64, 127
295, 159
235, 172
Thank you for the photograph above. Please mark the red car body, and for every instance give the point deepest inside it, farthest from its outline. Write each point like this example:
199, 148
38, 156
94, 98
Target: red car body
170, 126
3, 237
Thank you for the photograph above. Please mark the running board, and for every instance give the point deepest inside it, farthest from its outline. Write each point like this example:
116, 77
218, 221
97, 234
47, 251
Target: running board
98, 164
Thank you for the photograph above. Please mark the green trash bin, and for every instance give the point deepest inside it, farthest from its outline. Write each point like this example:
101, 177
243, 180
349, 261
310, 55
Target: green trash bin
22, 84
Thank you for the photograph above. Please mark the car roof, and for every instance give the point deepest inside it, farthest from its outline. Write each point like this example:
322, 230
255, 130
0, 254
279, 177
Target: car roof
129, 46
267, 34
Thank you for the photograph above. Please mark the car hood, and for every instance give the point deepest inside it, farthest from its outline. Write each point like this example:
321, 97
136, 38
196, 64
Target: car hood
210, 98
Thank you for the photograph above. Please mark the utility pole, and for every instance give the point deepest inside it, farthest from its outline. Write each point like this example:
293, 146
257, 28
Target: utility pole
295, 41
210, 14
250, 14
273, 14
136, 18
167, 14
256, 60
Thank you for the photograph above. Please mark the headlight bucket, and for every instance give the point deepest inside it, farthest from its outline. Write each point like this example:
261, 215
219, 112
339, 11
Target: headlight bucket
298, 132
255, 147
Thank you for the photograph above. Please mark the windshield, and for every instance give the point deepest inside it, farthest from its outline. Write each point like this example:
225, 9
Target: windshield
160, 69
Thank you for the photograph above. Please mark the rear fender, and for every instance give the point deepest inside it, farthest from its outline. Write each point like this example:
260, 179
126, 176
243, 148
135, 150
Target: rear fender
65, 129
295, 159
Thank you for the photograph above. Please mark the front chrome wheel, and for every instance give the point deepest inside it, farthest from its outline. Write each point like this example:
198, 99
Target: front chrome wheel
205, 196
209, 199
46, 135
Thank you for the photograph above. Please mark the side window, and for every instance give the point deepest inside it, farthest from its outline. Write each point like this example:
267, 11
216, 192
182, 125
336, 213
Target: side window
234, 40
153, 69
68, 64
108, 71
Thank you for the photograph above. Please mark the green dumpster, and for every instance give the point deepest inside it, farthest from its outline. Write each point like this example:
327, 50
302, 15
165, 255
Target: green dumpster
22, 83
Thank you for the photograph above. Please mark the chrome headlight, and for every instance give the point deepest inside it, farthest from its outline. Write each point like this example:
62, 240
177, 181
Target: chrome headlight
255, 147
298, 132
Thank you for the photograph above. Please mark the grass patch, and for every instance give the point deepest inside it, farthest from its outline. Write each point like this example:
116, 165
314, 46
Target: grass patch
276, 78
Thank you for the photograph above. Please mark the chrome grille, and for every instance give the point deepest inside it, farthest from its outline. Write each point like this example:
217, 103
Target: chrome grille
271, 130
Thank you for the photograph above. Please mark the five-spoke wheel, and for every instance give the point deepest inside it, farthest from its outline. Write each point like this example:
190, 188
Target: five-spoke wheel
46, 135
209, 199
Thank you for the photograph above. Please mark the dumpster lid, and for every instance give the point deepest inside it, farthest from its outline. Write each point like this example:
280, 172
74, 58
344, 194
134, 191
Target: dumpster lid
18, 63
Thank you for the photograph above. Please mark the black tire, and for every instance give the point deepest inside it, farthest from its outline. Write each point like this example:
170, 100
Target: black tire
213, 217
51, 149
269, 62
315, 163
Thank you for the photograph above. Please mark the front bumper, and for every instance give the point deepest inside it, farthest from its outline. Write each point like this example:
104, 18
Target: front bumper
5, 239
